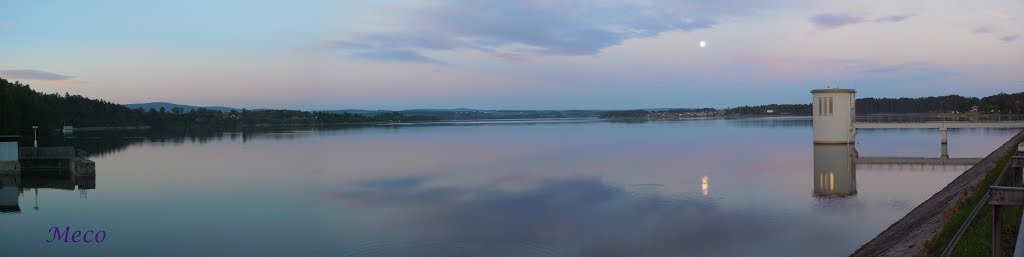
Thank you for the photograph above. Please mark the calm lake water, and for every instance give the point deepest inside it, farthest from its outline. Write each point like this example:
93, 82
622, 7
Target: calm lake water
750, 187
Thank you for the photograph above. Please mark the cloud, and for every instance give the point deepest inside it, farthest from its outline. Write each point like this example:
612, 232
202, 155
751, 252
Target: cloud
370, 52
342, 44
831, 21
1001, 15
539, 28
893, 18
396, 55
836, 20
914, 70
41, 76
33, 75
1010, 38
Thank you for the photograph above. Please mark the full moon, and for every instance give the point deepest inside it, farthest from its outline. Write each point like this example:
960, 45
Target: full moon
702, 44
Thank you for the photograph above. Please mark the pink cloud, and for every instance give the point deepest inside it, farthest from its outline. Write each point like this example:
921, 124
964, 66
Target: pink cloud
65, 82
40, 76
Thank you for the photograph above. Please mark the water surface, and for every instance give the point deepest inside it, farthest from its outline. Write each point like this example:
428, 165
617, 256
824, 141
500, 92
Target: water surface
752, 187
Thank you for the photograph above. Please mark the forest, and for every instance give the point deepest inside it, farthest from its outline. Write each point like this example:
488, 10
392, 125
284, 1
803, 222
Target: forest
21, 107
663, 113
1000, 103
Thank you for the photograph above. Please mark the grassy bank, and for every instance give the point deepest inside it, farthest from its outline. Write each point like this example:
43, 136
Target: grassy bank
977, 239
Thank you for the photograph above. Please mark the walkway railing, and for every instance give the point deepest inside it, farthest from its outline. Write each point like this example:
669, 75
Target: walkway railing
938, 117
1006, 191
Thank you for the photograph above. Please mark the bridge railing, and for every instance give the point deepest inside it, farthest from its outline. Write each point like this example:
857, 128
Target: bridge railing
938, 117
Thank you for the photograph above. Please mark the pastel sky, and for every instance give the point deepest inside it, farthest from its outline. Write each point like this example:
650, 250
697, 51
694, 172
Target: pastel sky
533, 54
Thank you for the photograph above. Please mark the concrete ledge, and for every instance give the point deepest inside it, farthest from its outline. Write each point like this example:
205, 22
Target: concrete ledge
10, 168
84, 168
912, 160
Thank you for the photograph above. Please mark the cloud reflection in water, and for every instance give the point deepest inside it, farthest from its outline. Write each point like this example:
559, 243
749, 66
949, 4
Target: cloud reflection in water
583, 216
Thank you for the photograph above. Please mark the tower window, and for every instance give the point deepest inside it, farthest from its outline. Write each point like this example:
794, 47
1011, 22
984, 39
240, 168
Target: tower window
829, 106
821, 106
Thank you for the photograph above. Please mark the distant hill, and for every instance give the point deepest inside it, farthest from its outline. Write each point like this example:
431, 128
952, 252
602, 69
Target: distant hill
362, 111
475, 114
443, 110
187, 108
358, 111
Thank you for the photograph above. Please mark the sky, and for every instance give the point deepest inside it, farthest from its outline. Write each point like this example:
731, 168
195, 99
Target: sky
532, 54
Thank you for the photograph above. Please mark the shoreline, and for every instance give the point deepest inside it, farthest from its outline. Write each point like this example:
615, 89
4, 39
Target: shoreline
908, 235
110, 128
386, 123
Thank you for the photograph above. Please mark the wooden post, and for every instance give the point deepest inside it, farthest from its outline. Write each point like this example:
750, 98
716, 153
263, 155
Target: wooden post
997, 230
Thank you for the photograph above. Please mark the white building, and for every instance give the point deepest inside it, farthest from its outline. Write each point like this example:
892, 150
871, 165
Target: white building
833, 111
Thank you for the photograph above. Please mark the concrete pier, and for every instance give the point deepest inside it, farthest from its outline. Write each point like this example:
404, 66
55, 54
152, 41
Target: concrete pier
63, 159
943, 131
938, 125
941, 125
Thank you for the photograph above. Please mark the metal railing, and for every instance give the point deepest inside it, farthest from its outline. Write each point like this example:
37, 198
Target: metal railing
967, 223
938, 117
1006, 191
1018, 249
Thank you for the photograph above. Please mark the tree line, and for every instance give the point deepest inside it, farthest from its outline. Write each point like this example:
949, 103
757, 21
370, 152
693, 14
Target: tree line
1000, 103
776, 109
640, 113
21, 107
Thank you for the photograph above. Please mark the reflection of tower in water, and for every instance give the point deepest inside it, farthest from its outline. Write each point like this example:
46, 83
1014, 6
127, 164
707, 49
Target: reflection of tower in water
835, 174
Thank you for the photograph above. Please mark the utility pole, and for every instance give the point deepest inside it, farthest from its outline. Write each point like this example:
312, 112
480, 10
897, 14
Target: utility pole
35, 137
